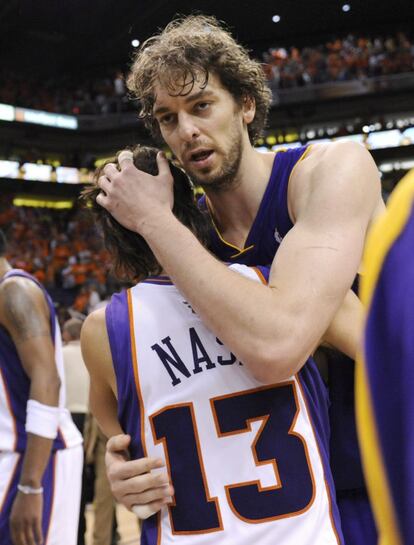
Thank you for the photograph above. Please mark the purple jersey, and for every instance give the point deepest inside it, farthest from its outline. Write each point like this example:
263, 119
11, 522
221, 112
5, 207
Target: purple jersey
271, 224
385, 372
272, 221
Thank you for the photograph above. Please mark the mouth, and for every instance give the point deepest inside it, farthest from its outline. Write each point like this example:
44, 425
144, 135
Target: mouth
200, 158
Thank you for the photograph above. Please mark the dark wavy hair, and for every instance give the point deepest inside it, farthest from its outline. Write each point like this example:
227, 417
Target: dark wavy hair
133, 259
186, 52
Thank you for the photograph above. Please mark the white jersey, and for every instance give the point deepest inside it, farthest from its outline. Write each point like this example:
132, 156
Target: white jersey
247, 461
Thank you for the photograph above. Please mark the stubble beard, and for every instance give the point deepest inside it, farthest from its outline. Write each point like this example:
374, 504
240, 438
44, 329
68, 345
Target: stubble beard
227, 177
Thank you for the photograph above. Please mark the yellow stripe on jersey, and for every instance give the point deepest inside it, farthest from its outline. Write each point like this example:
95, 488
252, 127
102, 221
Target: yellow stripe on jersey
381, 238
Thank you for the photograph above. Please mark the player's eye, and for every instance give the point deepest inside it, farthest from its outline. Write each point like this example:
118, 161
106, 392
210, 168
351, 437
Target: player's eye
202, 106
166, 119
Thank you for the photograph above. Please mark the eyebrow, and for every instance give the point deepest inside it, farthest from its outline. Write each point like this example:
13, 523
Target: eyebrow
187, 99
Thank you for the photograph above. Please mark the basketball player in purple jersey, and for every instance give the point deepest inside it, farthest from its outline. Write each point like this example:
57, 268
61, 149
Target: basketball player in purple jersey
161, 376
41, 453
385, 370
311, 207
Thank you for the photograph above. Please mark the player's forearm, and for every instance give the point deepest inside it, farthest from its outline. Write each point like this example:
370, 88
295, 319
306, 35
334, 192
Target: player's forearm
45, 386
250, 318
44, 389
35, 460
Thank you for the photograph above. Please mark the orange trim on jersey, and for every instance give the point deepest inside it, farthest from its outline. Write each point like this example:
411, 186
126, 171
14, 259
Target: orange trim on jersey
52, 500
13, 474
260, 275
272, 461
328, 492
138, 390
135, 370
8, 401
201, 464
242, 251
229, 244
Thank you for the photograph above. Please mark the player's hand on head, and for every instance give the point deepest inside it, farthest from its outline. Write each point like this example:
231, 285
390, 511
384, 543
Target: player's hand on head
133, 483
132, 196
26, 519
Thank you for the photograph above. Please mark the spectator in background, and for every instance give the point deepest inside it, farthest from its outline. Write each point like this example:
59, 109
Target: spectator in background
77, 377
77, 395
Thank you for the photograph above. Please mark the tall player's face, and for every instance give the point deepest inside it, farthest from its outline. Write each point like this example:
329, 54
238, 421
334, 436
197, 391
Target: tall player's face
206, 130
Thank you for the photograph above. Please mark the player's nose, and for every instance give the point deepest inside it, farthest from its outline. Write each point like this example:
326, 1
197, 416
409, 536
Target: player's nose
187, 127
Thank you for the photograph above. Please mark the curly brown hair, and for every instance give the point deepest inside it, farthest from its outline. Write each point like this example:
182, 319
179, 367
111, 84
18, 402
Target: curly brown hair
185, 53
133, 258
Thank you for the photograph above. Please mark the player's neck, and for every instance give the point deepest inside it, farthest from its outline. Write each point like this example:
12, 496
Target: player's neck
236, 208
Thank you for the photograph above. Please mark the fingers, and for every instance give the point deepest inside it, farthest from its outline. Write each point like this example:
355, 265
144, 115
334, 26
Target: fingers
125, 158
37, 532
118, 442
104, 184
110, 170
18, 535
129, 469
26, 533
163, 494
142, 489
163, 165
145, 511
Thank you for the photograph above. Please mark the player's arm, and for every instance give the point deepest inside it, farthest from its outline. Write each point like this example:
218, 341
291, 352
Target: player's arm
271, 329
25, 315
132, 482
96, 353
344, 332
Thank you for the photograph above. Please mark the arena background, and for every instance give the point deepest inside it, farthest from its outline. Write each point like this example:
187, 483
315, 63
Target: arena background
337, 69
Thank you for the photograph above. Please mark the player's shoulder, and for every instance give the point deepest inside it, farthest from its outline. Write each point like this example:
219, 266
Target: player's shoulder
331, 154
94, 339
94, 322
18, 289
347, 164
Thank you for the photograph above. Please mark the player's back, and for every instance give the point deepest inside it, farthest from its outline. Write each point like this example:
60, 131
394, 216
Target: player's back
247, 460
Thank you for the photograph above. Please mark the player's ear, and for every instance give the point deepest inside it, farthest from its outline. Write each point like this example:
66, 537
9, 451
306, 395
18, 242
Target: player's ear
248, 109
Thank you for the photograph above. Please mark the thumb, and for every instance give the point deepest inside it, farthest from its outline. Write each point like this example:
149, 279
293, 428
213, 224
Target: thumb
163, 165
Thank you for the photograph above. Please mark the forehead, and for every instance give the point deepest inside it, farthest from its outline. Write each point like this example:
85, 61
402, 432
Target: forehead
167, 97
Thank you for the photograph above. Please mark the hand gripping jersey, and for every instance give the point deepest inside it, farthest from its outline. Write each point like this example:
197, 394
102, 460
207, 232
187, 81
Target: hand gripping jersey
62, 477
270, 226
385, 370
248, 461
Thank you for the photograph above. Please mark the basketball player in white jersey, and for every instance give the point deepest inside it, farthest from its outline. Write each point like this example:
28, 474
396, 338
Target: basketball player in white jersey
247, 462
41, 453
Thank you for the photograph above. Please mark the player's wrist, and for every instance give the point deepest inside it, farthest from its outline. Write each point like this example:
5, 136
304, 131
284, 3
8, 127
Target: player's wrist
156, 222
32, 480
28, 489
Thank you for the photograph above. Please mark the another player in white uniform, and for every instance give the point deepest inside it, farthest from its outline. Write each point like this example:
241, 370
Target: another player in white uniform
247, 461
41, 453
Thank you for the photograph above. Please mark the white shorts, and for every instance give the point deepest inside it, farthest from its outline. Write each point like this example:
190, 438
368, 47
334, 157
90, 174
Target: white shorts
62, 490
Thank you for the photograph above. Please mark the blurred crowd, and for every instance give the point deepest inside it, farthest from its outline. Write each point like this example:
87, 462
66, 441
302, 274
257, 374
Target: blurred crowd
64, 251
340, 59
66, 94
